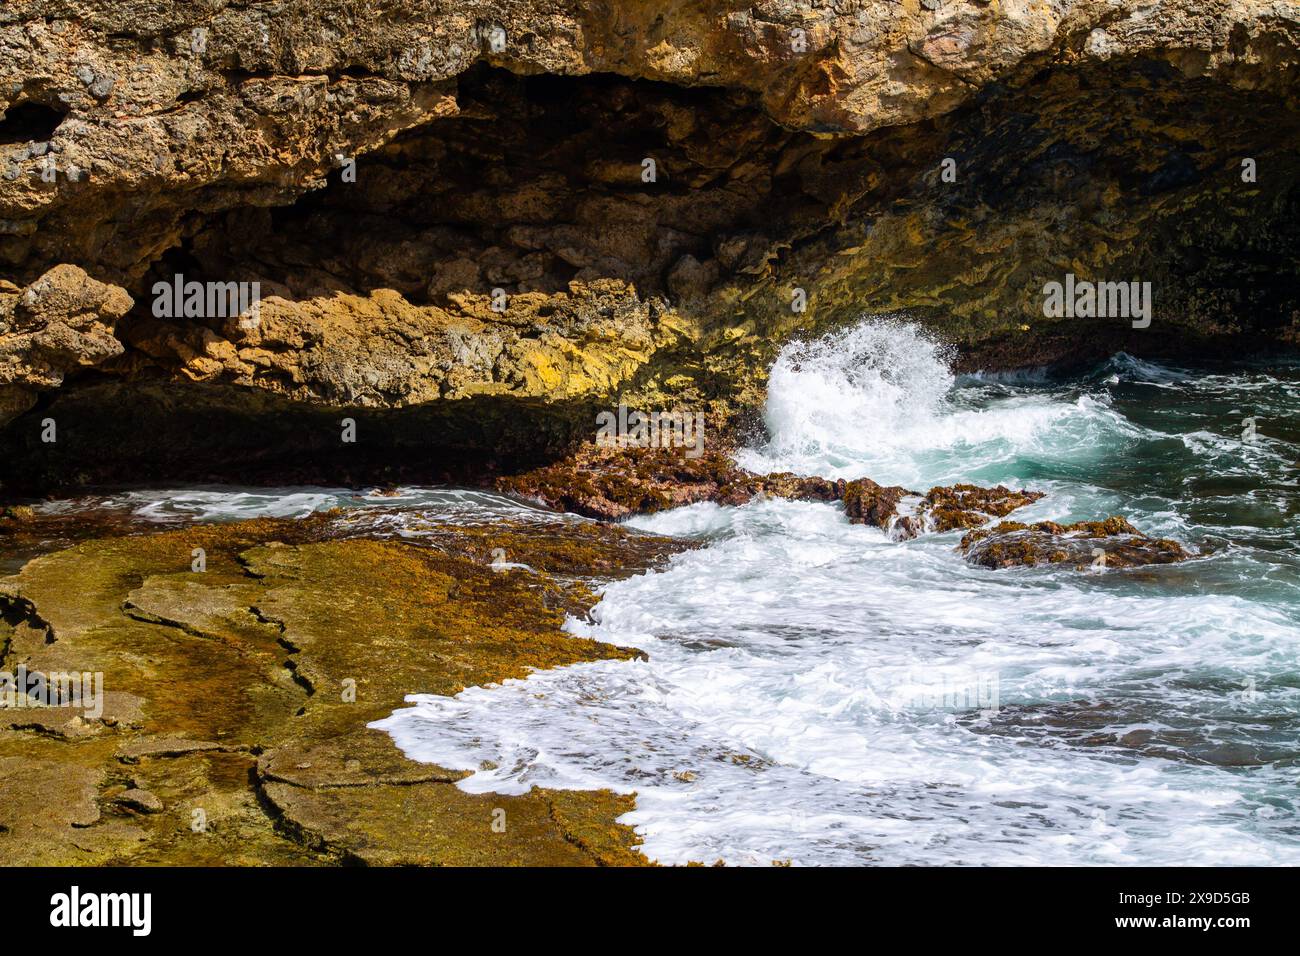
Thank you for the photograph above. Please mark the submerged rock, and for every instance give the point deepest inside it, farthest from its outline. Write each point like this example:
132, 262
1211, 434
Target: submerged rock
1113, 543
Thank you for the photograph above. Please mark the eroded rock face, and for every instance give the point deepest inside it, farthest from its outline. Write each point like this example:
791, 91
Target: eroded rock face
388, 182
249, 105
62, 321
381, 351
233, 726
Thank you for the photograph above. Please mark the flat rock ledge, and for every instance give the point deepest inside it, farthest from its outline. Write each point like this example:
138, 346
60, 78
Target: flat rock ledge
236, 700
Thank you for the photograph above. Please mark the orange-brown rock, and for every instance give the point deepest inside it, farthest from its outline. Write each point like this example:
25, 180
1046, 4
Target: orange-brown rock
969, 506
61, 322
613, 483
616, 482
1112, 543
866, 502
906, 514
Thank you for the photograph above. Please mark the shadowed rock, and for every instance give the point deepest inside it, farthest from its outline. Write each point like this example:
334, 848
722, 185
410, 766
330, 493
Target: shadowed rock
382, 186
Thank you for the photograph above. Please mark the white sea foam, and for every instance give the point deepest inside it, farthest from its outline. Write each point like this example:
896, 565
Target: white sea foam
222, 503
1129, 368
777, 718
877, 400
804, 693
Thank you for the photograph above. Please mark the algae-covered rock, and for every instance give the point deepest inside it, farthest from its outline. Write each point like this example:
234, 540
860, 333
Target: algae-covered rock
574, 554
866, 502
907, 514
618, 482
969, 506
236, 698
613, 482
1112, 543
436, 824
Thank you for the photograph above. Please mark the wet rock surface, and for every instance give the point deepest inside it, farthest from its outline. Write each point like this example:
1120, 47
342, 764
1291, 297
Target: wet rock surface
1112, 543
907, 514
612, 483
232, 727
233, 719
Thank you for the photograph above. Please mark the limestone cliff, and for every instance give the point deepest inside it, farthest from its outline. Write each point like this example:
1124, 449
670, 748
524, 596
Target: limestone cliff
474, 223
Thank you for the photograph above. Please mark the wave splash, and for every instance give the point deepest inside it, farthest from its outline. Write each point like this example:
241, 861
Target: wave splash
880, 400
788, 711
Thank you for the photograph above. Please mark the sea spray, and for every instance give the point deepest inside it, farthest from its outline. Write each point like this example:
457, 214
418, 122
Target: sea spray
867, 385
800, 701
819, 694
879, 400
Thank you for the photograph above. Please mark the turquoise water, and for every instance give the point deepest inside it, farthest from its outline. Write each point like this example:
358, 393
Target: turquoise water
816, 692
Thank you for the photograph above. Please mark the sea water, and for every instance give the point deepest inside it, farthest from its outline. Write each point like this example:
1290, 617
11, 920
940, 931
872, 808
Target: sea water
816, 693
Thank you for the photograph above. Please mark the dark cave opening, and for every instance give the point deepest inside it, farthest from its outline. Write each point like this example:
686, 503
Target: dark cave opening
541, 180
536, 186
29, 122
